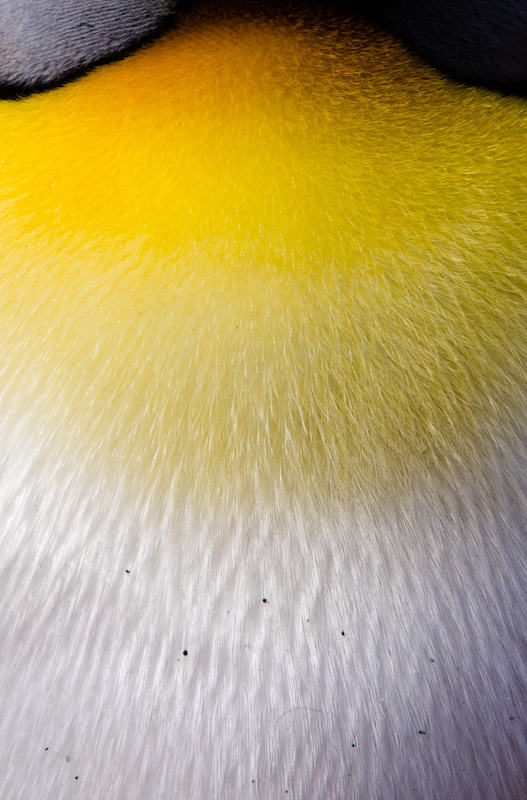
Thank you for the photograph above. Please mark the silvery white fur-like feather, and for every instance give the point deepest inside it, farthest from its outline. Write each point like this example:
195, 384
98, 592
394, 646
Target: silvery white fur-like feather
43, 42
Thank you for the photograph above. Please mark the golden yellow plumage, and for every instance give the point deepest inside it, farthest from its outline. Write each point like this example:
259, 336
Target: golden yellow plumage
294, 260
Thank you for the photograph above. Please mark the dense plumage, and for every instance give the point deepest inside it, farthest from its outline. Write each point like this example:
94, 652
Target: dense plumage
43, 42
263, 336
482, 41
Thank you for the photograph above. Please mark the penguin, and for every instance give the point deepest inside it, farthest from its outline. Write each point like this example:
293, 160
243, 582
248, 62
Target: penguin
262, 407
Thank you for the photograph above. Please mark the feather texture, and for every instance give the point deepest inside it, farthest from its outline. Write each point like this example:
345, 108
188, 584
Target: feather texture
263, 315
43, 43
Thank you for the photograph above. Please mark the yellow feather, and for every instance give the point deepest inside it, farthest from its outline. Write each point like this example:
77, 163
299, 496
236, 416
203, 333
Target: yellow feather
292, 256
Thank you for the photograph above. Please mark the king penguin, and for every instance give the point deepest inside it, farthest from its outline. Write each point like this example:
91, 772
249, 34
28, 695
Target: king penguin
263, 400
